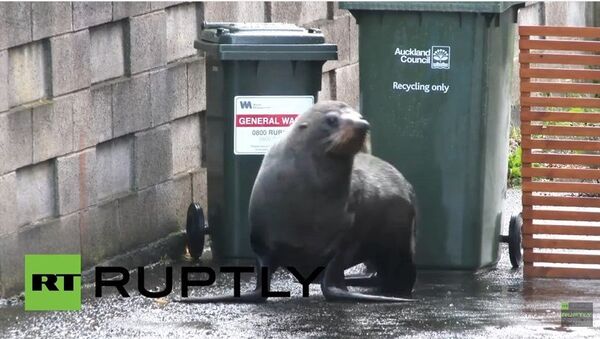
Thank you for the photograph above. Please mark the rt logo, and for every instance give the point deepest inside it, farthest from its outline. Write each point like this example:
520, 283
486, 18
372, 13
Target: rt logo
52, 282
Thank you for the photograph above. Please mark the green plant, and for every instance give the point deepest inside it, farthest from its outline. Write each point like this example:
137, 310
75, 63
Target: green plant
515, 135
514, 167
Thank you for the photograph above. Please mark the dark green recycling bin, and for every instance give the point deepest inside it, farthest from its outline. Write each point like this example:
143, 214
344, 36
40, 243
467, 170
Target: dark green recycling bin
259, 77
435, 84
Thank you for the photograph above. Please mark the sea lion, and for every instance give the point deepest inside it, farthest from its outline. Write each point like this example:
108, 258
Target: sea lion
318, 201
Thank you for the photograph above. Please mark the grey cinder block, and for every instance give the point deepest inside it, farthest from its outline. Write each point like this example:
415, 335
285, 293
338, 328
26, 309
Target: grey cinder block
196, 86
326, 91
532, 14
153, 213
92, 117
51, 18
173, 199
8, 207
346, 79
164, 4
138, 219
240, 11
220, 11
169, 94
131, 105
12, 266
26, 73
199, 191
76, 181
59, 236
566, 13
250, 11
353, 47
298, 12
106, 52
186, 143
102, 113
87, 14
337, 31
53, 129
125, 9
70, 62
4, 81
337, 11
153, 156
36, 198
114, 168
16, 140
148, 35
181, 31
15, 24
99, 227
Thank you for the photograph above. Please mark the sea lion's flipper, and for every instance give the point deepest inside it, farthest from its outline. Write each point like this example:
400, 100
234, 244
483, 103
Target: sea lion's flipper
334, 287
362, 280
368, 278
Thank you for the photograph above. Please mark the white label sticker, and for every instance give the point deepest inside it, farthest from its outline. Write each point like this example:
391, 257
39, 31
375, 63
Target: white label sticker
259, 121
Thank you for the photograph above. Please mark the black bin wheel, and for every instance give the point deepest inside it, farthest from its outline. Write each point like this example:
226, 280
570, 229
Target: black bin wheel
195, 230
515, 252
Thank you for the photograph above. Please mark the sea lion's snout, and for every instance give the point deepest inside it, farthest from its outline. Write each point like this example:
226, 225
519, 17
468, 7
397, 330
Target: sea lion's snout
351, 117
349, 136
362, 126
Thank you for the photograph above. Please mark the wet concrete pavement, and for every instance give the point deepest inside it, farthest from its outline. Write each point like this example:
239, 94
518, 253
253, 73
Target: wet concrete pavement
492, 303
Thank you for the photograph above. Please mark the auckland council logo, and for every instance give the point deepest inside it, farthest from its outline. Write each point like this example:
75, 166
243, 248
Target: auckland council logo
440, 57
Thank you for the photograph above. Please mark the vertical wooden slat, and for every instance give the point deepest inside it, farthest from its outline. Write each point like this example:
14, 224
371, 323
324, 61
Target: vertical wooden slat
524, 64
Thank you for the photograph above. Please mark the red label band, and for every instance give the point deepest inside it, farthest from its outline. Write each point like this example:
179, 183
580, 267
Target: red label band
264, 120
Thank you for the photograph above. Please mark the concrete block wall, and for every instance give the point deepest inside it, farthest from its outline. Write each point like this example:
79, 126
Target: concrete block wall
101, 116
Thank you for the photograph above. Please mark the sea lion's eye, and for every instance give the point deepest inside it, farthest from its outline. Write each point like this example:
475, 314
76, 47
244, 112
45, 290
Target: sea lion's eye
332, 120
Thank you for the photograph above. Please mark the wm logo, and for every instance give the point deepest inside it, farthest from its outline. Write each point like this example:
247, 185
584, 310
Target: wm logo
246, 104
53, 282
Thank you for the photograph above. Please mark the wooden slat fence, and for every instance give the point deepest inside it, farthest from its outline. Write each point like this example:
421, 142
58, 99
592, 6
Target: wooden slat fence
560, 140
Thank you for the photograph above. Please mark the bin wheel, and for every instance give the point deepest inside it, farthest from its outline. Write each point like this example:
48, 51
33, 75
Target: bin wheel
514, 241
195, 230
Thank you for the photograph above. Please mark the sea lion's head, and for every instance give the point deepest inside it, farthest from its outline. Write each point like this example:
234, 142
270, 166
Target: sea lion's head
333, 127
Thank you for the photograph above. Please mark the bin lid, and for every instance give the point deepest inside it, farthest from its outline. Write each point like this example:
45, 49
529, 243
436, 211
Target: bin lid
264, 41
476, 7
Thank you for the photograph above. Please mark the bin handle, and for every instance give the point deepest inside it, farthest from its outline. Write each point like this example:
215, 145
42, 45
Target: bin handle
209, 25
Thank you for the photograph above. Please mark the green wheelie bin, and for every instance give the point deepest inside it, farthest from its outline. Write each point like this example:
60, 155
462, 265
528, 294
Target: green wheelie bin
259, 77
435, 83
